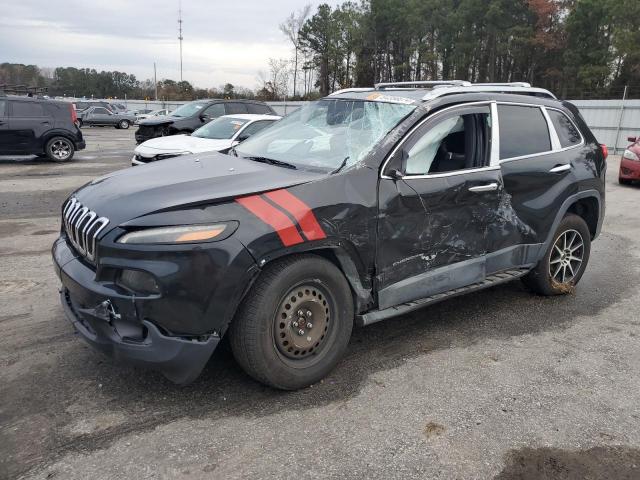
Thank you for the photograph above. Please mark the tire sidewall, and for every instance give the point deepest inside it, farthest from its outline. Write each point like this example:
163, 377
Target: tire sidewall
49, 151
330, 279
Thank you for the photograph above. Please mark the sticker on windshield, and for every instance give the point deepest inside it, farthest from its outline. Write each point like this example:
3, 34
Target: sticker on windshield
237, 122
379, 97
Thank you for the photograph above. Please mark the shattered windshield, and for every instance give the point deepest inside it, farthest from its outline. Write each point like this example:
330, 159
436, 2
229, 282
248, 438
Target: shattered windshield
327, 134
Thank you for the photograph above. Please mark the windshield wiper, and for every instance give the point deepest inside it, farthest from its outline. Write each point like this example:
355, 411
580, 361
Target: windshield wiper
342, 165
271, 161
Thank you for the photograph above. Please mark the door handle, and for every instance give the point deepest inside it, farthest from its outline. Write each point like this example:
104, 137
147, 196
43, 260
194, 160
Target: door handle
560, 168
484, 188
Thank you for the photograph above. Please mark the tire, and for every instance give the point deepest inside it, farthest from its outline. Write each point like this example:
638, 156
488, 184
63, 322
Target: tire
265, 338
557, 273
59, 149
624, 181
124, 124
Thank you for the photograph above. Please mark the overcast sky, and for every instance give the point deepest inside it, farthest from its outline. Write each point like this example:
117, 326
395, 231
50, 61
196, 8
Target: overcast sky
224, 41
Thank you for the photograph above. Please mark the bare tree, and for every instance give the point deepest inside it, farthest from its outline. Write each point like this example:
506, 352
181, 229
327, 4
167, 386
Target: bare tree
291, 28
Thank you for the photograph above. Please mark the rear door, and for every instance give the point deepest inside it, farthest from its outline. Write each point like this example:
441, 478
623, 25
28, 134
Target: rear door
436, 223
28, 122
540, 148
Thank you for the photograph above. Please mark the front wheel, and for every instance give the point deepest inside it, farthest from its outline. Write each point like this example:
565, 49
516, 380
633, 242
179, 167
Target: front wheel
294, 324
563, 265
59, 149
124, 124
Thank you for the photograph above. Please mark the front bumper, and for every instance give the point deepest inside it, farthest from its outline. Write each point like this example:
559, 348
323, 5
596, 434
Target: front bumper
629, 169
109, 322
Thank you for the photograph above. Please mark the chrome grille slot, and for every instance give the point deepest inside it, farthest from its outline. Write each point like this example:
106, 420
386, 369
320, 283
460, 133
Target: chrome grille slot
82, 227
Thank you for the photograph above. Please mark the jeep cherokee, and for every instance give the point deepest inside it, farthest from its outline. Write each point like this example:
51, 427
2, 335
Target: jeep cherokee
356, 208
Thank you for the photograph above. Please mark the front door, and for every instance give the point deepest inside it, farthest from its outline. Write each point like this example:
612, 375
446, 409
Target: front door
99, 116
439, 196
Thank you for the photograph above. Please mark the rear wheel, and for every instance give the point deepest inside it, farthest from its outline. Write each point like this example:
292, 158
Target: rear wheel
295, 323
565, 261
124, 124
60, 149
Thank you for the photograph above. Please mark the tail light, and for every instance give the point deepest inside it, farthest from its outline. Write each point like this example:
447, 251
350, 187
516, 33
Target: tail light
74, 115
605, 150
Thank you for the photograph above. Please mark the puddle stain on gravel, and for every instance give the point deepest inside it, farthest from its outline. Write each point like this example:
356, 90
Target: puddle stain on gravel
620, 463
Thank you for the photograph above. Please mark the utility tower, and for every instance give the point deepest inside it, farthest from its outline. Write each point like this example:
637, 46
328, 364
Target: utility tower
180, 34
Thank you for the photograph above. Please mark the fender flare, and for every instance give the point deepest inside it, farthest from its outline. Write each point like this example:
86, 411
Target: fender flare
363, 295
58, 133
563, 211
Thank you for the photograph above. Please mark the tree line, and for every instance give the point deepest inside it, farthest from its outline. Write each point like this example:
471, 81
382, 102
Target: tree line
576, 48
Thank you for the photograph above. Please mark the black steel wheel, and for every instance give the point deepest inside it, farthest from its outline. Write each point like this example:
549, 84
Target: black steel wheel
295, 323
565, 261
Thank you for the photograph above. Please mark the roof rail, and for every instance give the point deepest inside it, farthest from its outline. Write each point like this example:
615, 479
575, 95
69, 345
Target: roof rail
505, 84
492, 87
422, 83
349, 90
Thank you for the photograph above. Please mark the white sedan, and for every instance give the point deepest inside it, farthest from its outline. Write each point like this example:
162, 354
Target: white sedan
219, 135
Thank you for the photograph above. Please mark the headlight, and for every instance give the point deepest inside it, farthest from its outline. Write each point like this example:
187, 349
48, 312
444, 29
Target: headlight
183, 234
629, 155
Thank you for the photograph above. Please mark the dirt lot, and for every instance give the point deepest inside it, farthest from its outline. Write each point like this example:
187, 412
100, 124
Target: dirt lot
500, 383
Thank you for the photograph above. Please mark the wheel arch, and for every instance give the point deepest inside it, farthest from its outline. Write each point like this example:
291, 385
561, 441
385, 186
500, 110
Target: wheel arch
587, 205
57, 133
336, 254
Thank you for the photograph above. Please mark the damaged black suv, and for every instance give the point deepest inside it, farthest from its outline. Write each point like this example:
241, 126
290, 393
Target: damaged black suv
359, 207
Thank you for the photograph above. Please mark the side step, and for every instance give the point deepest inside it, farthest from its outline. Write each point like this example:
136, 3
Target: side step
491, 281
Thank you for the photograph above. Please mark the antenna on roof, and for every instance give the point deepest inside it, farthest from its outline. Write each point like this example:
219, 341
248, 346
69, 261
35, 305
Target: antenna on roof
180, 34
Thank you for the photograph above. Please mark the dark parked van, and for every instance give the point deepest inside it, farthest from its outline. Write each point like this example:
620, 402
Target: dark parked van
193, 115
35, 126
362, 206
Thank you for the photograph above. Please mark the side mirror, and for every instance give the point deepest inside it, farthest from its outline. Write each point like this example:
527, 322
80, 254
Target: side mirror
632, 139
400, 159
242, 137
204, 118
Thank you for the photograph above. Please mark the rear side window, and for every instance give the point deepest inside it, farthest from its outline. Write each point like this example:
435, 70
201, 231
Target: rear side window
3, 108
567, 132
255, 127
234, 107
259, 108
214, 111
523, 131
27, 109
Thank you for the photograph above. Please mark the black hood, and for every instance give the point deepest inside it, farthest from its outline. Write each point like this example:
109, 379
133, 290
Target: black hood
183, 181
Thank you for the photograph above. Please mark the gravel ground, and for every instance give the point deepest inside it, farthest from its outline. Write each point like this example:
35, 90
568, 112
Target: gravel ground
499, 383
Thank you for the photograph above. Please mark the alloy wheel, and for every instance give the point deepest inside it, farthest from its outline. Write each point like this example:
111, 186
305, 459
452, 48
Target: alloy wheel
566, 257
61, 150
